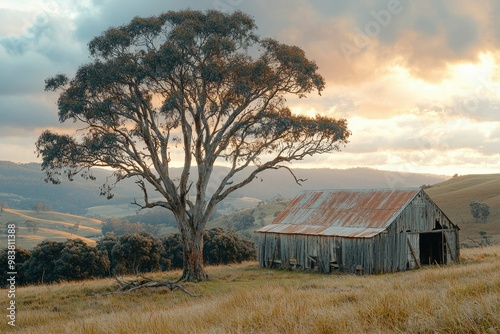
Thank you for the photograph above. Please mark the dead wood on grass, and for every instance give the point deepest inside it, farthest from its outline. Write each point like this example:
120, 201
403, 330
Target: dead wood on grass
143, 282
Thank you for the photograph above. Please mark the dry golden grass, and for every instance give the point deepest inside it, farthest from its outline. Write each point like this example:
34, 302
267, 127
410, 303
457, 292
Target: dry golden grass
463, 298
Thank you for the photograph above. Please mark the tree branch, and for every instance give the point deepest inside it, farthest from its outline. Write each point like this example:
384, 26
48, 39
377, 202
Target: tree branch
145, 282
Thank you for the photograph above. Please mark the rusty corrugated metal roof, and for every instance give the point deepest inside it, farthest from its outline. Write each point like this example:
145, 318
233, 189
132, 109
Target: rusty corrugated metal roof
346, 213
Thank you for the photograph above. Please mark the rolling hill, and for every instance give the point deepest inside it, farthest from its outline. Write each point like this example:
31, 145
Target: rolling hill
22, 185
50, 225
454, 195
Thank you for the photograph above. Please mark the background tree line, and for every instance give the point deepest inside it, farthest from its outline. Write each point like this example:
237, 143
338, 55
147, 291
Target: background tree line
131, 253
154, 219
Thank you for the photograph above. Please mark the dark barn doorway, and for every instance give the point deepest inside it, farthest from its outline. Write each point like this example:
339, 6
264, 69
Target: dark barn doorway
431, 248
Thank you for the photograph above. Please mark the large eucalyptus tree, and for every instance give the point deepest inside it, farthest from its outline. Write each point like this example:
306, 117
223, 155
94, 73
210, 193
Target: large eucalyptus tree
199, 83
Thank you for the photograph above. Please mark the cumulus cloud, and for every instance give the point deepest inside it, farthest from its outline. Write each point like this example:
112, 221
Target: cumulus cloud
29, 57
27, 113
112, 13
418, 81
356, 41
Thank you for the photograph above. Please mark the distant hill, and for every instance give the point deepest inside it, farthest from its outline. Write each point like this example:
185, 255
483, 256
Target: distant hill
280, 184
22, 185
50, 225
454, 195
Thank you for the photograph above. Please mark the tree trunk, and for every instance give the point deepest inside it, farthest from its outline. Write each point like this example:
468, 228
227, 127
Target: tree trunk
193, 268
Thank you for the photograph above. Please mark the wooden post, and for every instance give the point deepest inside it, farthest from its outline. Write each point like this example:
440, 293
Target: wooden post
447, 242
417, 261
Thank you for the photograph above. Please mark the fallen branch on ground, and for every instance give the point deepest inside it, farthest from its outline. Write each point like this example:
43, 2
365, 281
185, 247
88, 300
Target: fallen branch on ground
477, 243
144, 282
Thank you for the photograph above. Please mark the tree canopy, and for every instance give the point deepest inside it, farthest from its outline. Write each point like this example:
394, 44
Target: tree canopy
190, 88
480, 211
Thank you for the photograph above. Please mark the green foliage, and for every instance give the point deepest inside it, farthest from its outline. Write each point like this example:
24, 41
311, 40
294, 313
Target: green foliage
131, 253
485, 238
121, 227
480, 211
55, 82
53, 261
31, 225
202, 83
40, 268
105, 245
136, 253
21, 256
239, 221
78, 261
221, 247
173, 253
40, 206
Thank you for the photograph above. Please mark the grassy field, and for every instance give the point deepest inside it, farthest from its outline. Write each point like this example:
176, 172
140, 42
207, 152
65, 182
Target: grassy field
112, 211
462, 298
51, 225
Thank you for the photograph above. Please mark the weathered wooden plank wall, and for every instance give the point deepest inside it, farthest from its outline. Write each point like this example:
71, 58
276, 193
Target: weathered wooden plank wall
395, 249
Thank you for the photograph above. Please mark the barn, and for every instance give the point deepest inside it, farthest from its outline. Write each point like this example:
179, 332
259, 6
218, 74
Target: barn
359, 231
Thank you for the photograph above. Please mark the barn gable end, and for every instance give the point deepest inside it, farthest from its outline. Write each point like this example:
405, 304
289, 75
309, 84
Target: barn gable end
363, 231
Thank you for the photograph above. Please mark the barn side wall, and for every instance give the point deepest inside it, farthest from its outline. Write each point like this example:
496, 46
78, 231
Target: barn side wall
334, 254
397, 248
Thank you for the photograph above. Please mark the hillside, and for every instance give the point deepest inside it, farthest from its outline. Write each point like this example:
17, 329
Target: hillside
51, 225
22, 185
454, 195
280, 184
244, 298
263, 214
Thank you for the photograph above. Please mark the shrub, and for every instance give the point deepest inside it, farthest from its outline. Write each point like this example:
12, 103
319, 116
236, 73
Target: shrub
134, 253
219, 247
53, 261
222, 247
240, 221
121, 227
172, 256
22, 255
80, 261
105, 245
40, 267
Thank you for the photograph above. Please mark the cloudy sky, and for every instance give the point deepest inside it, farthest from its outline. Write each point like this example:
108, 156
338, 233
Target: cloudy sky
418, 81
